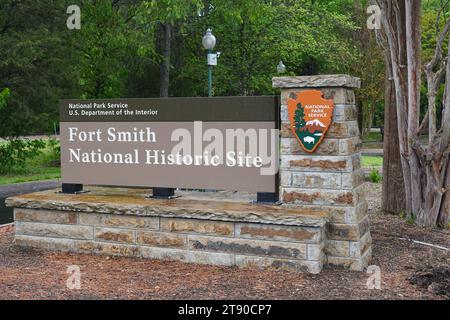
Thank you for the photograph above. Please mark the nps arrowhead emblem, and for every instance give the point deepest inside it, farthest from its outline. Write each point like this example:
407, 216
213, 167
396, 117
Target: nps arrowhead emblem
310, 116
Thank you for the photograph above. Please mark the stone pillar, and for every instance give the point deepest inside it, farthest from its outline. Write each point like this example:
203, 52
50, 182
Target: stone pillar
331, 178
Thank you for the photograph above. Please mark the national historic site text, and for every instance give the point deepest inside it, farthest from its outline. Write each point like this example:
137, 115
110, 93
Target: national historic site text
212, 158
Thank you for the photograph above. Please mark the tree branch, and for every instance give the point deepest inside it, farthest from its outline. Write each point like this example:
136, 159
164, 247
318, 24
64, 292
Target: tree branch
445, 127
437, 57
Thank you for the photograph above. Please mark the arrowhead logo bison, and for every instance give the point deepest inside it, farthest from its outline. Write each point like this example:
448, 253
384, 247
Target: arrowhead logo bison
310, 116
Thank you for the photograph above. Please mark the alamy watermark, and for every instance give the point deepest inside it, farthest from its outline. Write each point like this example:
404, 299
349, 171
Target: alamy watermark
374, 20
74, 20
74, 280
374, 280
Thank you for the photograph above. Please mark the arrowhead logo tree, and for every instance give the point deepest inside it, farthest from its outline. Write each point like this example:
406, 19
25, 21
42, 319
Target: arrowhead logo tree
310, 116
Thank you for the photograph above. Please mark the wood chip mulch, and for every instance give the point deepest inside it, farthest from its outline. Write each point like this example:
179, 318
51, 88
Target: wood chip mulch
408, 271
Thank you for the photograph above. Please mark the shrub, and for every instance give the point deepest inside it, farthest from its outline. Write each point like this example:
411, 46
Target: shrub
375, 176
15, 153
55, 148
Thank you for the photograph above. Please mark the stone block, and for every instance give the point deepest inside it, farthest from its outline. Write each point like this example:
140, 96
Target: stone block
45, 216
358, 248
111, 249
209, 258
248, 247
338, 95
342, 231
114, 235
278, 233
357, 161
351, 215
302, 196
318, 163
54, 230
286, 178
284, 112
316, 180
352, 180
253, 262
350, 146
285, 130
354, 264
345, 113
337, 248
285, 146
111, 220
52, 244
337, 214
197, 226
166, 254
351, 232
315, 252
343, 129
317, 81
356, 215
161, 239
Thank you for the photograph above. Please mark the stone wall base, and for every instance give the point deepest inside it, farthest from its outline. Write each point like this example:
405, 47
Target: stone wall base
188, 240
216, 228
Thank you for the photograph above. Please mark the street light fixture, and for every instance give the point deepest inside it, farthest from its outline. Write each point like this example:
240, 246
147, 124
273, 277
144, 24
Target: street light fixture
281, 68
209, 42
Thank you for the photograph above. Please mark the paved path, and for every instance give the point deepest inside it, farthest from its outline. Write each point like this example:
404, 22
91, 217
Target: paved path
8, 190
372, 152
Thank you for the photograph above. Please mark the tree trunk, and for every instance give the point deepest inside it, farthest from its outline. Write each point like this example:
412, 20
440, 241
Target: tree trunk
444, 215
413, 51
164, 68
393, 198
425, 168
393, 22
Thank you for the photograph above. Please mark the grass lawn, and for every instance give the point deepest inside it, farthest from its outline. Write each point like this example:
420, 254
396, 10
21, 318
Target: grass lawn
373, 137
372, 161
38, 168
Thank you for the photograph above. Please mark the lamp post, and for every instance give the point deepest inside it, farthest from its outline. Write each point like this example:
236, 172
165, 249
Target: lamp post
281, 68
209, 42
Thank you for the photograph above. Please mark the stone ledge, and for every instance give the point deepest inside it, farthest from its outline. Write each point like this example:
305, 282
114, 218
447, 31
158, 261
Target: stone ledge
134, 202
320, 81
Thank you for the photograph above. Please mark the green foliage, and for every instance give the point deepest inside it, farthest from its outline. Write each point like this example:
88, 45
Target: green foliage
15, 153
411, 219
373, 137
4, 94
115, 54
35, 64
171, 11
431, 26
102, 48
375, 176
55, 152
42, 166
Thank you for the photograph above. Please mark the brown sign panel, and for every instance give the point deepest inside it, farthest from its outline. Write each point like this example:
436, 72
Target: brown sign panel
170, 109
221, 149
310, 116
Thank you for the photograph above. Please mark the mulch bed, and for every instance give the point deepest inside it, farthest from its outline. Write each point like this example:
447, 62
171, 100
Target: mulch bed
408, 271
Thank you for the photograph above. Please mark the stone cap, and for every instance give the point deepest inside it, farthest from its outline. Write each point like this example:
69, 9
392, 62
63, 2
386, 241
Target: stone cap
221, 206
318, 81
